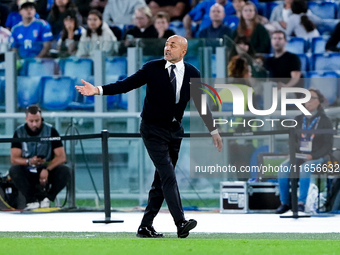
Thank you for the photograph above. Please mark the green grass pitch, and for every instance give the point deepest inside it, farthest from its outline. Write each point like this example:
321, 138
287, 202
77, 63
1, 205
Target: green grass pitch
64, 243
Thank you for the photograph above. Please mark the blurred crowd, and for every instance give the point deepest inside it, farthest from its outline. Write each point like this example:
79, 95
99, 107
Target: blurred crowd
63, 28
62, 24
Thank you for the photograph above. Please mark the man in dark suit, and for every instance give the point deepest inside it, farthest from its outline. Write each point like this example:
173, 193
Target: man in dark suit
168, 91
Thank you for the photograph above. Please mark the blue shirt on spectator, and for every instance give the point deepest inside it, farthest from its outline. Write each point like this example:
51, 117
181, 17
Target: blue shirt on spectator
29, 39
14, 18
202, 9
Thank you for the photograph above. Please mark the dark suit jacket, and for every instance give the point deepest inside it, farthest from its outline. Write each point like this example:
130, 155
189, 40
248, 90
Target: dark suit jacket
159, 104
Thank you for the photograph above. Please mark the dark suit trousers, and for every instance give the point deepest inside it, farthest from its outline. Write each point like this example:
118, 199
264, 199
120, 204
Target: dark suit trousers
163, 144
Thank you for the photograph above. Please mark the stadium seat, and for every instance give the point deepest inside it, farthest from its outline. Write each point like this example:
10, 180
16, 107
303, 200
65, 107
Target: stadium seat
326, 61
2, 93
78, 68
194, 60
38, 67
57, 93
318, 44
116, 66
327, 26
323, 9
296, 45
304, 62
326, 82
213, 65
231, 21
116, 101
271, 6
262, 9
28, 90
178, 27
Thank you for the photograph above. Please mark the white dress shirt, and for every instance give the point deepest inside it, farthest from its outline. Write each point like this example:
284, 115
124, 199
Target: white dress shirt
179, 72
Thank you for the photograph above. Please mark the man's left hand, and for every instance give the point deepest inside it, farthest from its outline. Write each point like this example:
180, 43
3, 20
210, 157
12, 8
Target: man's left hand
43, 177
217, 142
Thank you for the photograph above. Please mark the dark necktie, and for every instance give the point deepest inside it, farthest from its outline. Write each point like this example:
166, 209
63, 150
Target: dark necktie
173, 77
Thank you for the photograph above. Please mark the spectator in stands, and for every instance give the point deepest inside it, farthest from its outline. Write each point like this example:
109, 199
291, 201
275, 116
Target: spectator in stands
217, 29
311, 149
70, 36
121, 11
32, 37
144, 27
284, 66
4, 12
242, 47
57, 15
175, 8
14, 16
43, 7
250, 27
239, 70
333, 41
233, 20
38, 169
5, 36
98, 36
200, 14
302, 22
162, 20
84, 6
280, 14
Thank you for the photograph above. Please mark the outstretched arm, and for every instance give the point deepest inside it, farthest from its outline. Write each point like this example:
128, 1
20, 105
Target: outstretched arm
88, 89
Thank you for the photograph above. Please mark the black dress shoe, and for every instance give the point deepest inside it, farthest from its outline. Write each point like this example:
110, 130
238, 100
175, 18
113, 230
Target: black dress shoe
282, 209
154, 232
184, 228
148, 232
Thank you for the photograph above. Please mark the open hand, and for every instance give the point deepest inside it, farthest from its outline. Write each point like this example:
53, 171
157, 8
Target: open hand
88, 89
217, 142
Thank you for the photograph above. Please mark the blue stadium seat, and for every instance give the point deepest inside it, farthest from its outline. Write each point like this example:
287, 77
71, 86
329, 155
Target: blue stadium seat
178, 27
2, 93
213, 65
28, 90
194, 60
326, 82
324, 9
116, 66
327, 26
38, 67
116, 101
58, 92
296, 45
78, 68
271, 6
304, 62
318, 44
326, 61
262, 9
231, 21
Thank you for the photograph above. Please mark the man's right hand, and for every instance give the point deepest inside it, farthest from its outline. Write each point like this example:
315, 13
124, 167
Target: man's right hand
88, 89
36, 161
